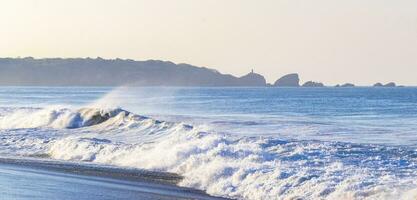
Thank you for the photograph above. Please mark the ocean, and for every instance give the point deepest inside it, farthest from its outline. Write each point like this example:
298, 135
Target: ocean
244, 143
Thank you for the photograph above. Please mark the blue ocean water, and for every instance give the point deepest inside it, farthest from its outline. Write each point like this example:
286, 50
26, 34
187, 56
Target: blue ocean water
244, 143
361, 114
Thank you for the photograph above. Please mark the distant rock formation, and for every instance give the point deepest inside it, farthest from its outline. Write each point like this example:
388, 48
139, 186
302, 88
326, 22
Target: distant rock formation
313, 84
345, 85
115, 72
252, 79
390, 84
289, 80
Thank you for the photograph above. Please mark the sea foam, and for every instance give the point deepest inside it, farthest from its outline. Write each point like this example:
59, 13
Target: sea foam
219, 163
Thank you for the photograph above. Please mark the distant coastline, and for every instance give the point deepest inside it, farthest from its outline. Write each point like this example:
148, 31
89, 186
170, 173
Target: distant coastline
116, 72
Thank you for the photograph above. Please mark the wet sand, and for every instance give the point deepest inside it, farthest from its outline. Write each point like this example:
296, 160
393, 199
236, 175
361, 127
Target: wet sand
39, 179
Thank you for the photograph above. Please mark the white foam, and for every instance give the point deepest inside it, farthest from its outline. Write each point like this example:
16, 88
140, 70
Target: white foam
238, 167
57, 117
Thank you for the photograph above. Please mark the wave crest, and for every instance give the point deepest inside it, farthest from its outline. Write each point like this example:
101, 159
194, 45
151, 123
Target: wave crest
60, 117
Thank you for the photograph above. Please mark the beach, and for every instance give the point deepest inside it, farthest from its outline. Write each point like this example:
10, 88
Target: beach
40, 179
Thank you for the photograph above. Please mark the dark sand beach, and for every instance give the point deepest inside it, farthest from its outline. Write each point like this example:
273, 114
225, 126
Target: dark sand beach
37, 179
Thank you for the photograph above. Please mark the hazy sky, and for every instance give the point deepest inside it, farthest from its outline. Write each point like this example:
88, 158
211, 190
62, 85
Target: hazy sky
334, 41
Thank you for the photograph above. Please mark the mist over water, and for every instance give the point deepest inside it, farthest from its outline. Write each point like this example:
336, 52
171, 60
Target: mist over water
246, 143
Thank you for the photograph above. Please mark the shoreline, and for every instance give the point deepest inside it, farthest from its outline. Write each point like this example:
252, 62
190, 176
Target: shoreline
88, 181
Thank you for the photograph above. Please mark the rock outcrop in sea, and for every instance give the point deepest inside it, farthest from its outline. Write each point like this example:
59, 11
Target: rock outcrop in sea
313, 84
289, 80
390, 84
346, 85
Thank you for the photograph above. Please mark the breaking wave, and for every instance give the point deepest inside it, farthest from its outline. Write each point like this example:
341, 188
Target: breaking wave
59, 117
221, 164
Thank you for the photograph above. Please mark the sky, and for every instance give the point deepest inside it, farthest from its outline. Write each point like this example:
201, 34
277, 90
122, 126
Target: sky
332, 41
